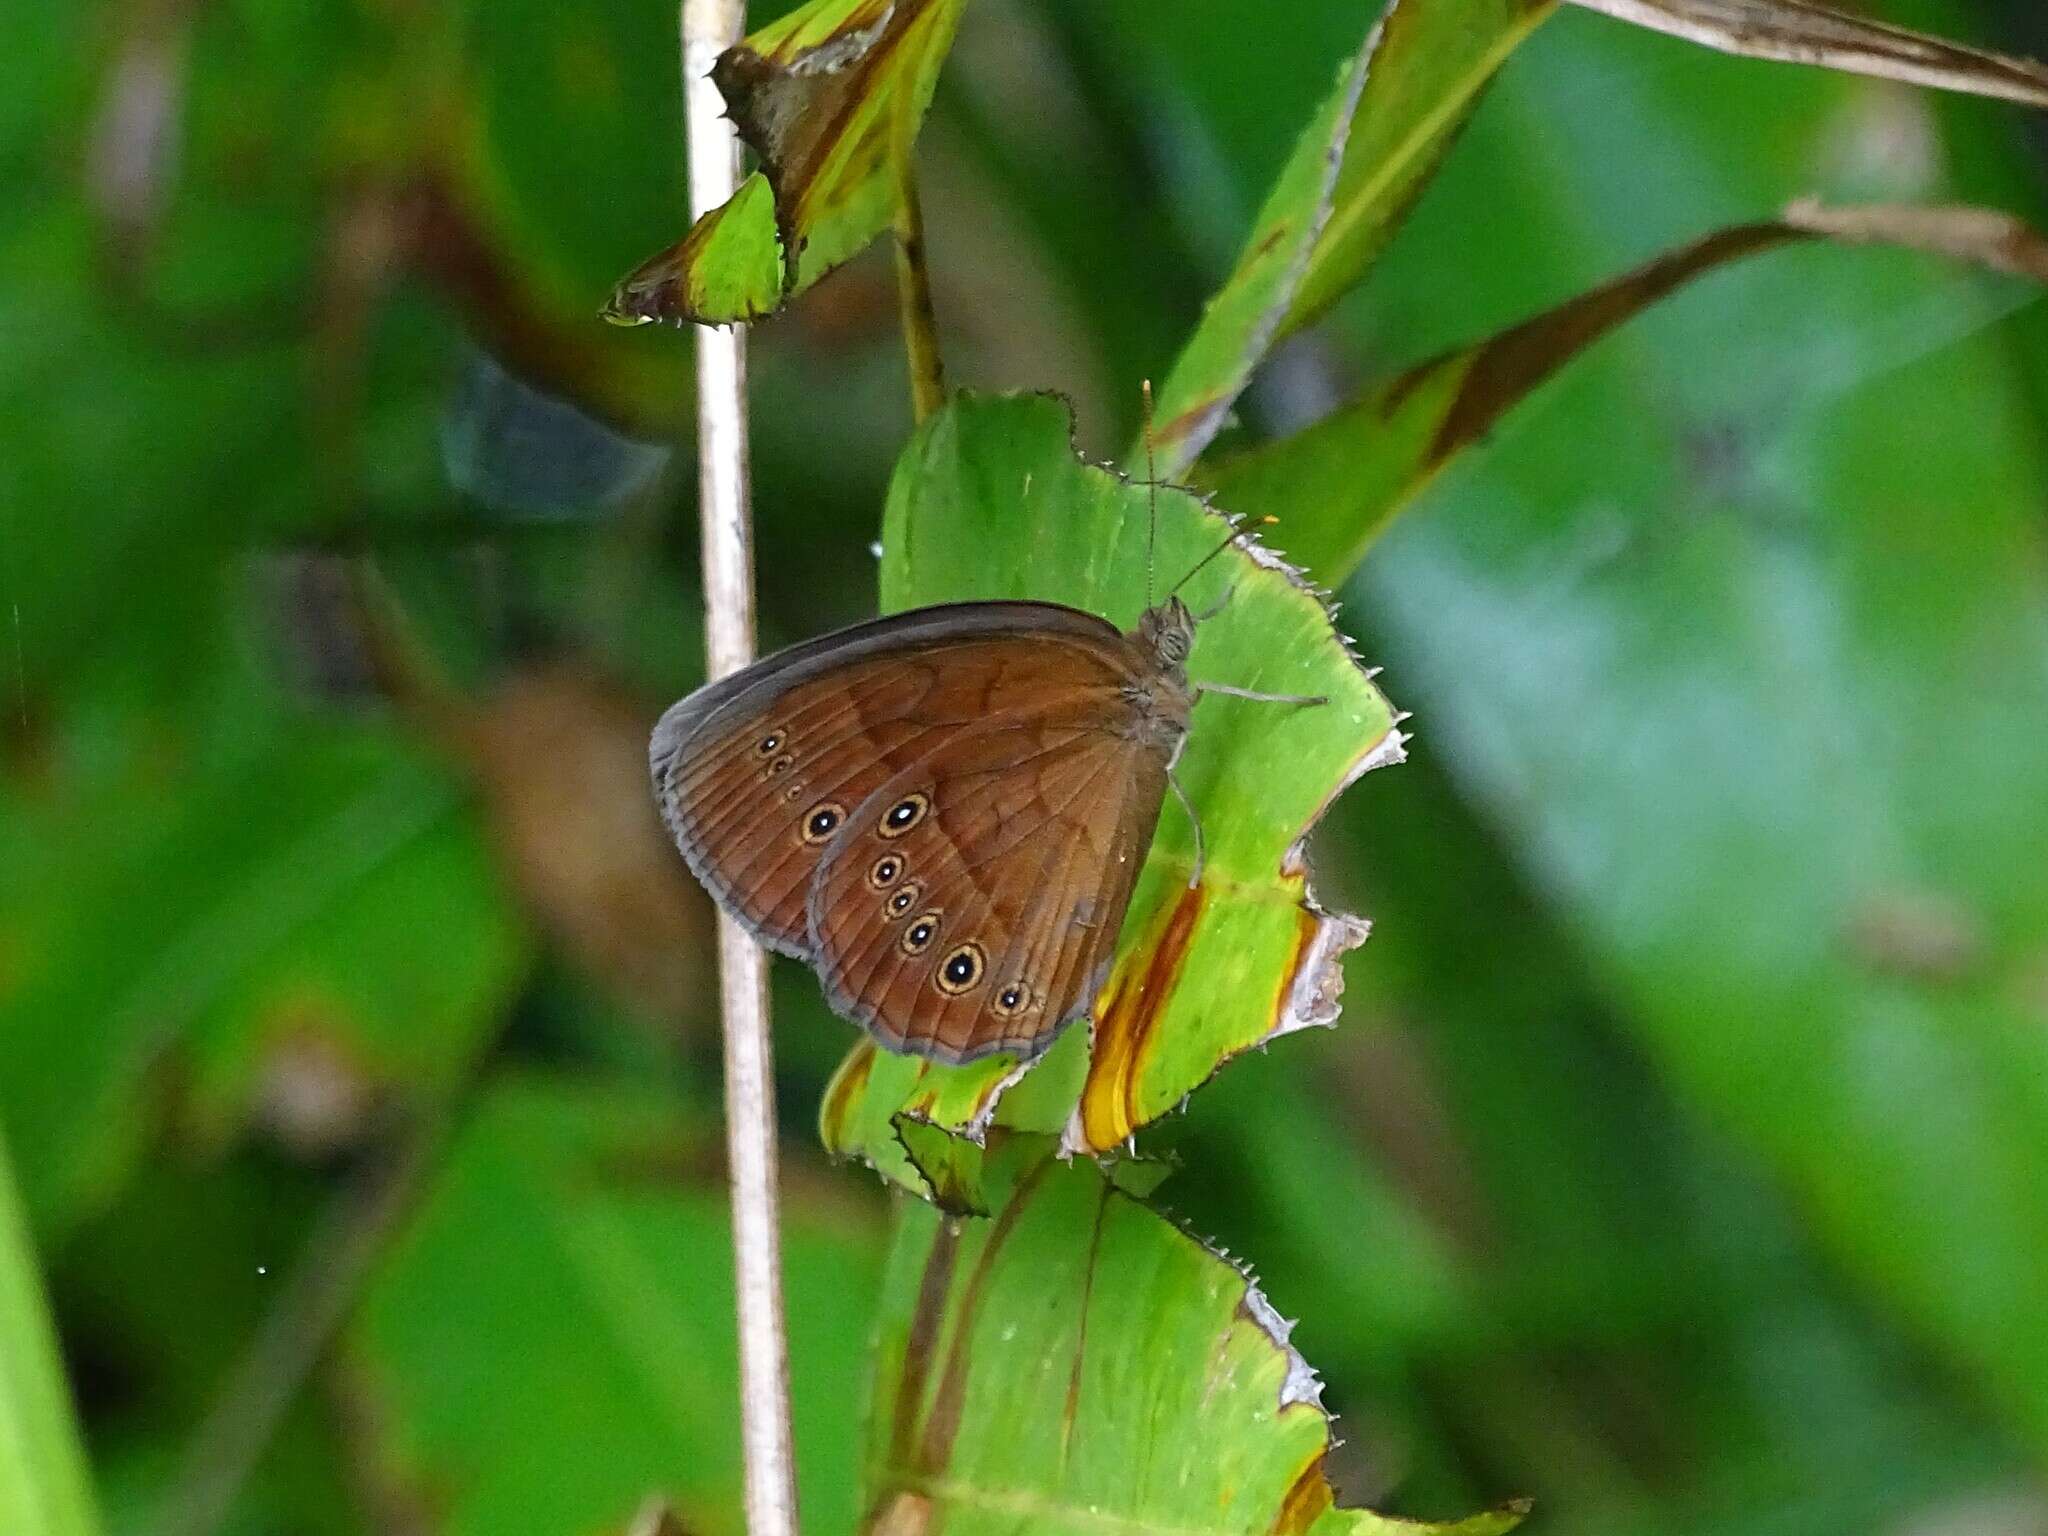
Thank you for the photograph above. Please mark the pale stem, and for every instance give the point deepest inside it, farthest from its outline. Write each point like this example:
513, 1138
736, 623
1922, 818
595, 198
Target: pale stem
709, 27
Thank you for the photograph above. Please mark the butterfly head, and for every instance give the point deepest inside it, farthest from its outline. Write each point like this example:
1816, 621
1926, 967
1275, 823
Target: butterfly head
1168, 632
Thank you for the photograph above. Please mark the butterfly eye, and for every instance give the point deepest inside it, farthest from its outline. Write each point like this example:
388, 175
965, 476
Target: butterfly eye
918, 936
905, 814
768, 745
902, 901
961, 969
1011, 1001
886, 869
823, 821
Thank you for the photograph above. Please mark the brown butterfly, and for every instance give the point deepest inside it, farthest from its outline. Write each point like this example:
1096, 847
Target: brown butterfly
943, 811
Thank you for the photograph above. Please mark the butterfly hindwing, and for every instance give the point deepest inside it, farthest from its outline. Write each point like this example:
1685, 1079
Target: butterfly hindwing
754, 807
757, 773
972, 904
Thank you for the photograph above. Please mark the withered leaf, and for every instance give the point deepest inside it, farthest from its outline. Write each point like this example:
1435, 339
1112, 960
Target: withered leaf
1799, 32
829, 99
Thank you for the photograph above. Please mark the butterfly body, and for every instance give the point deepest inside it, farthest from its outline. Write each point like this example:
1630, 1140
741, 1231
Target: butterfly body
943, 812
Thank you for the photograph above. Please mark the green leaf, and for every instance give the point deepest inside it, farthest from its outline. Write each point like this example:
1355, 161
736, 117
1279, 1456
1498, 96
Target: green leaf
1239, 322
1341, 481
1430, 62
1077, 1365
43, 1483
990, 501
729, 266
551, 1339
830, 98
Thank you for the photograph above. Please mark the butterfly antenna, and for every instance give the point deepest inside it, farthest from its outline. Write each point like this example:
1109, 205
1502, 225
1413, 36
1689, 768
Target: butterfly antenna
1237, 532
1151, 493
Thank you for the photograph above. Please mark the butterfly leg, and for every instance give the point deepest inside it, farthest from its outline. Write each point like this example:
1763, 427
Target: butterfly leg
1194, 876
1201, 857
1261, 698
1216, 607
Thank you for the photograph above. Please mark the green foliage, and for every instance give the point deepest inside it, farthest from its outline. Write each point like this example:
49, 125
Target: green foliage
43, 1482
1024, 1375
556, 93
305, 891
1682, 1159
1806, 885
566, 1217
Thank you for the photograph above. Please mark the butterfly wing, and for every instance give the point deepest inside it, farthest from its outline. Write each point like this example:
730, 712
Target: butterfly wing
757, 773
972, 903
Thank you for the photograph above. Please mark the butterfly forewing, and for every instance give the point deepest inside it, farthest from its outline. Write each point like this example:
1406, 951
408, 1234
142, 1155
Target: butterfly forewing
972, 904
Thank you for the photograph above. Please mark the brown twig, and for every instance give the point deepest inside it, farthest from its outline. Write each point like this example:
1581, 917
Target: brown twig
708, 28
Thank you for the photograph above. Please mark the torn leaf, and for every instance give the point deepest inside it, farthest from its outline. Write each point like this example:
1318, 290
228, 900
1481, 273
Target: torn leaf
990, 501
1078, 1363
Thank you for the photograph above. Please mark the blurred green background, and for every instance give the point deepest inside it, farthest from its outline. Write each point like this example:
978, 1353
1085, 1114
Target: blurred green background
1682, 1159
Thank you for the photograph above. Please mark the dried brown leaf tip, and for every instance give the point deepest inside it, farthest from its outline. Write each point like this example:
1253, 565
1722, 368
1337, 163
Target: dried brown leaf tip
1797, 32
1501, 372
829, 113
1986, 236
792, 106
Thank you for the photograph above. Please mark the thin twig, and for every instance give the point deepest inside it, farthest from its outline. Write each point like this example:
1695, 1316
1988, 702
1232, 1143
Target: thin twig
708, 28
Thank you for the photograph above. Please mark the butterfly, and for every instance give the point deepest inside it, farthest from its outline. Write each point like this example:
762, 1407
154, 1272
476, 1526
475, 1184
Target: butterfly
943, 811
